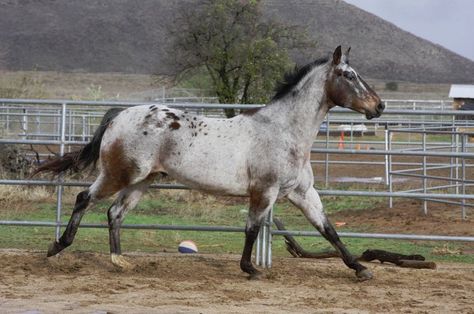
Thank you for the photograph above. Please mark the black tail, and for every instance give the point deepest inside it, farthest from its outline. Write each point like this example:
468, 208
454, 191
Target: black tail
81, 159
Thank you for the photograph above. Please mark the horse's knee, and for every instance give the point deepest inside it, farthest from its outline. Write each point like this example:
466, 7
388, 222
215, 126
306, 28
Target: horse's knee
251, 231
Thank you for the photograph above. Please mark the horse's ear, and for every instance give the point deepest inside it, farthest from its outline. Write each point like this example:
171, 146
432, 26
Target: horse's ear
345, 57
336, 56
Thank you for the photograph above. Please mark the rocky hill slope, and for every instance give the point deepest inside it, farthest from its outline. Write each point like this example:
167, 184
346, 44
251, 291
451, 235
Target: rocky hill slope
131, 36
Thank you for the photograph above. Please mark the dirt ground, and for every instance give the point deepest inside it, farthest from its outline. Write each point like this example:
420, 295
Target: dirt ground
84, 282
407, 217
171, 283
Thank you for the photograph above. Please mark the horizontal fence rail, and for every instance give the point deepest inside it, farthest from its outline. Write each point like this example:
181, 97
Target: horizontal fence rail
65, 123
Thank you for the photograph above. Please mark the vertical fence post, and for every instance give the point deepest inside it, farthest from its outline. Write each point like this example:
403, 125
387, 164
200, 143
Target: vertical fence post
24, 123
269, 223
7, 127
463, 175
38, 126
385, 133
423, 143
84, 128
390, 181
71, 128
263, 254
451, 160
326, 162
352, 135
456, 170
60, 179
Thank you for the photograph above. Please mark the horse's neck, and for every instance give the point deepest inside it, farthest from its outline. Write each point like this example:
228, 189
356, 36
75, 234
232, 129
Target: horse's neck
301, 115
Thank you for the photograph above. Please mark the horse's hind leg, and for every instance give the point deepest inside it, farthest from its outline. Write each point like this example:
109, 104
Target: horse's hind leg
82, 201
260, 204
127, 199
309, 202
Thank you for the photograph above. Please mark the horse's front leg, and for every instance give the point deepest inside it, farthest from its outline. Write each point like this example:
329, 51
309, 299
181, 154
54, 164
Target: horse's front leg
309, 202
261, 201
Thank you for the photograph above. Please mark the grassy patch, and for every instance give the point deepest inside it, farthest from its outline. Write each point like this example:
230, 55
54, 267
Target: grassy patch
185, 208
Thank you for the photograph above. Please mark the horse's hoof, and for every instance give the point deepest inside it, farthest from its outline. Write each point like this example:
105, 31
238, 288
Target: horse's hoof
54, 248
255, 275
120, 261
364, 275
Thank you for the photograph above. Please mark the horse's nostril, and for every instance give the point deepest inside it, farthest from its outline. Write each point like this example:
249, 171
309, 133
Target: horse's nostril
381, 106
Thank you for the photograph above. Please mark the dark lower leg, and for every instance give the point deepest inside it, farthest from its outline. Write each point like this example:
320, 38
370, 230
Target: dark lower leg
115, 222
82, 201
251, 234
331, 235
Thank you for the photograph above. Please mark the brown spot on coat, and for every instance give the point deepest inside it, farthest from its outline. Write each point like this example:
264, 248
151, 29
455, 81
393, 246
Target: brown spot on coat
118, 168
258, 200
174, 125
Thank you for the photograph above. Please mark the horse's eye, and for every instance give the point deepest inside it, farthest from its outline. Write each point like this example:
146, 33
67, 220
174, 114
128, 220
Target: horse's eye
349, 75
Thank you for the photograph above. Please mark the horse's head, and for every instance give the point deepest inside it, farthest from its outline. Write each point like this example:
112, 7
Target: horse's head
345, 88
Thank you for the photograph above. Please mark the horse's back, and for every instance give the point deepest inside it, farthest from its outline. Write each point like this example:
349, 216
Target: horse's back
204, 153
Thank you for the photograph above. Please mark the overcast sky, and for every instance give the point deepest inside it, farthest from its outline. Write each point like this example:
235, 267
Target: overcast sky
449, 23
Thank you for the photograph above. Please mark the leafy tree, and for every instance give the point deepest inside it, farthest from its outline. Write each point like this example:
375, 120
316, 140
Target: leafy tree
242, 52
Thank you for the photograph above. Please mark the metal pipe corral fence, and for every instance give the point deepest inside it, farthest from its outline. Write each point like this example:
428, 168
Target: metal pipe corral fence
66, 123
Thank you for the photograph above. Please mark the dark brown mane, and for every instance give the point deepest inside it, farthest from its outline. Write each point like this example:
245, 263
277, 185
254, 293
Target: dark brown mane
292, 78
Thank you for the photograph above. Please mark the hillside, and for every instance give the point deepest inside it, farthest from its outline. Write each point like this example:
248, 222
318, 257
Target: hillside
131, 37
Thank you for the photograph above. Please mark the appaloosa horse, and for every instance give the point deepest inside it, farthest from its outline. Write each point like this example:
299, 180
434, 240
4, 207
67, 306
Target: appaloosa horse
263, 154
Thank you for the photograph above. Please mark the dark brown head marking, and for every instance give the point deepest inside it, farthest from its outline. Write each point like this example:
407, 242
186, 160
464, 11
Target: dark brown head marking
165, 109
174, 125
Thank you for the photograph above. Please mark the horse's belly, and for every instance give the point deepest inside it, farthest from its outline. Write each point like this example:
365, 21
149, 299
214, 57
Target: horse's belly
214, 173
223, 183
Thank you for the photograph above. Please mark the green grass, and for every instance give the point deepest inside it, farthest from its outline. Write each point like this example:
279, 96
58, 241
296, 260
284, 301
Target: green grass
169, 211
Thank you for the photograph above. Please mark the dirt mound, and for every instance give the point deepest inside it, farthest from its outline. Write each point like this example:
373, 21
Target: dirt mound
171, 283
407, 217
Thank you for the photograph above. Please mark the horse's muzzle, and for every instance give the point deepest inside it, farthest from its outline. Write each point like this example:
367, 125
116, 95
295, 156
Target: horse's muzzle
378, 112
